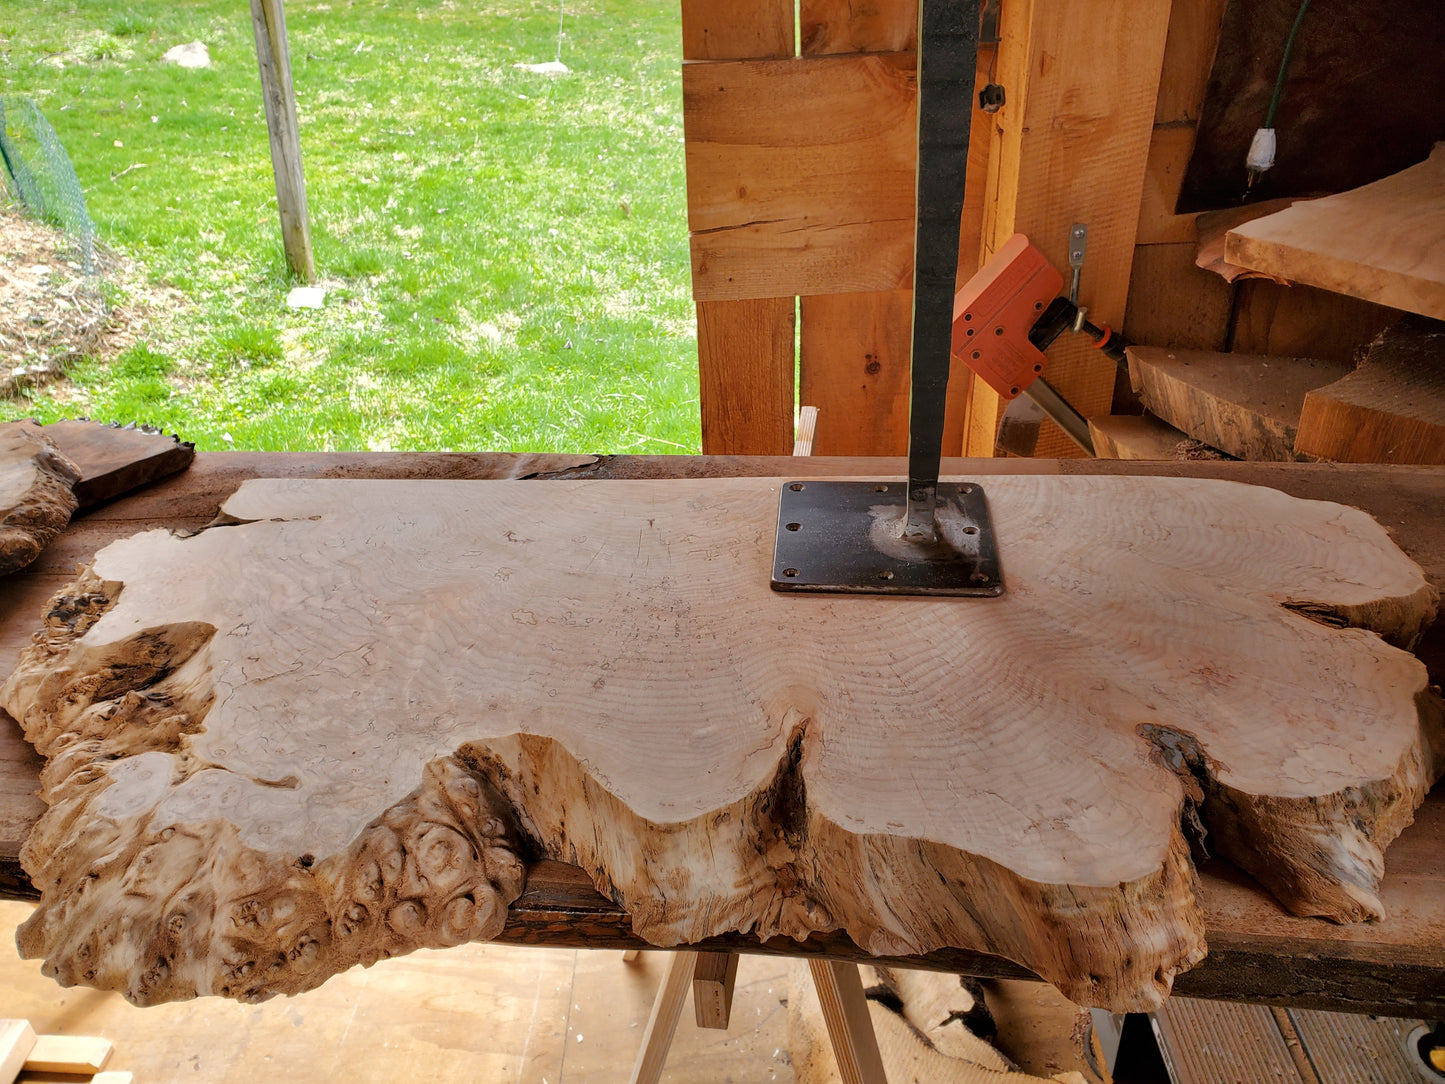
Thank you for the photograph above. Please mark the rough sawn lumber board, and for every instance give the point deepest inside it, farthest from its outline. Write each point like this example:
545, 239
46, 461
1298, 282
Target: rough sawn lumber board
1389, 410
1382, 242
1244, 405
325, 734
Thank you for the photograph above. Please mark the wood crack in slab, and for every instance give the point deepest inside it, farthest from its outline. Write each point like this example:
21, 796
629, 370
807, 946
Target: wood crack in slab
324, 735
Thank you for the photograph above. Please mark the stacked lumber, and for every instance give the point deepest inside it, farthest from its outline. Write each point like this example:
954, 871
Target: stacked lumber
1382, 242
1389, 410
76, 1056
1245, 406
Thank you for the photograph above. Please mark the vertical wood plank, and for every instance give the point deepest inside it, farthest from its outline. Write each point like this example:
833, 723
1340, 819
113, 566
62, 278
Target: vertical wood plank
845, 1011
1173, 302
1071, 145
737, 29
273, 56
854, 369
1188, 58
745, 349
845, 26
662, 1023
713, 979
975, 189
745, 352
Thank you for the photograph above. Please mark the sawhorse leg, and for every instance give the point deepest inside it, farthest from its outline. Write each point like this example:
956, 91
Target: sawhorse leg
845, 1010
663, 1022
840, 992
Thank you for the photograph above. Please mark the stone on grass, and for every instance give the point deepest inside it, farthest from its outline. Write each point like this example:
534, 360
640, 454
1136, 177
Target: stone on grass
306, 297
193, 54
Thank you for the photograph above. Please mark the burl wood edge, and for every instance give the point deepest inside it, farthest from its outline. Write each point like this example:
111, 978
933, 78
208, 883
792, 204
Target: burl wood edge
441, 867
36, 497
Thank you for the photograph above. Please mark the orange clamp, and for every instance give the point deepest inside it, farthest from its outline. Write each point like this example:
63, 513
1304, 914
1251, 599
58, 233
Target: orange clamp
995, 310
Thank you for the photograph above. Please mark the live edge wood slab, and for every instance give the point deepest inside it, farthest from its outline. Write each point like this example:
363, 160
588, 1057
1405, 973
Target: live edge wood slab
258, 918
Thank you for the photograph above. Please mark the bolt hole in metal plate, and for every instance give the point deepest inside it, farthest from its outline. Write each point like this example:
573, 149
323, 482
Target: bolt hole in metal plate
846, 537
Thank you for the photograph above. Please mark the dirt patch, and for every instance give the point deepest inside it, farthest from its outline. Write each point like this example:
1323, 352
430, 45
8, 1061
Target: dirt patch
52, 313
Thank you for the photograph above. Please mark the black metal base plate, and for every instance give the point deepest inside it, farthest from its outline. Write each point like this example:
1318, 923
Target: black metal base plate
846, 537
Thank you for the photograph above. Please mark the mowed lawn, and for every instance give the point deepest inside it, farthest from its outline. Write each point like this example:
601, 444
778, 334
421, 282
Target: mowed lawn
505, 252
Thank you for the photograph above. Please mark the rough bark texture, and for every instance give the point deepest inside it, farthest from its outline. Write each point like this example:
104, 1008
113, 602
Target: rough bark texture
36, 500
328, 732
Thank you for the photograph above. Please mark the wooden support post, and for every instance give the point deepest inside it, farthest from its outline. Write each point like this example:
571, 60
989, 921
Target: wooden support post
274, 58
1071, 145
666, 1011
712, 988
845, 1010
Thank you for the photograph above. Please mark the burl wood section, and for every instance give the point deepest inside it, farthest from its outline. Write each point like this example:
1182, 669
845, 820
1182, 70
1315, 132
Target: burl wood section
36, 500
332, 729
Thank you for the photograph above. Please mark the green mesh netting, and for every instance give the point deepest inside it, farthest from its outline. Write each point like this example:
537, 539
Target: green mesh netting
38, 173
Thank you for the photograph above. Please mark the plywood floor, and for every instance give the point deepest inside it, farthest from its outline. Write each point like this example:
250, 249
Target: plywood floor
477, 1013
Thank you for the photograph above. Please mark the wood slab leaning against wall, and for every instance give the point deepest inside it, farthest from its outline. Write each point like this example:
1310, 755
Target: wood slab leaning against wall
335, 728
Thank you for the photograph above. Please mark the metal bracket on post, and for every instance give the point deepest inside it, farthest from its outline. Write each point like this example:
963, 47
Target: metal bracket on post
921, 538
1078, 249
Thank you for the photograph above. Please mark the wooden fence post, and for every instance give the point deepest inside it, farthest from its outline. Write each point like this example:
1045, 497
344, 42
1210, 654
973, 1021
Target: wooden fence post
274, 58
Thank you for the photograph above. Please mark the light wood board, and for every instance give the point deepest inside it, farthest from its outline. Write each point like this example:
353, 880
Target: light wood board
1137, 436
1072, 145
1389, 410
1245, 405
1383, 242
622, 691
800, 175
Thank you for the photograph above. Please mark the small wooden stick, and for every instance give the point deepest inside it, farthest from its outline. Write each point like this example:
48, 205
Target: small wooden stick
663, 1022
712, 988
807, 429
629, 955
845, 1010
83, 1054
17, 1039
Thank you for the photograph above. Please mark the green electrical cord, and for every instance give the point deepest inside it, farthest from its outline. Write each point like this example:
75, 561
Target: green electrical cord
1284, 63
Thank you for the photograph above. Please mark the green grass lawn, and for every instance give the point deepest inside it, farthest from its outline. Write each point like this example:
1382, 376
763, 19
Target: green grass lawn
505, 252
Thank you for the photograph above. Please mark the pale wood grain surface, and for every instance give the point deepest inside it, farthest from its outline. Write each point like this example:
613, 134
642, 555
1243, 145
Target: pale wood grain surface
800, 175
1383, 242
619, 619
1257, 952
